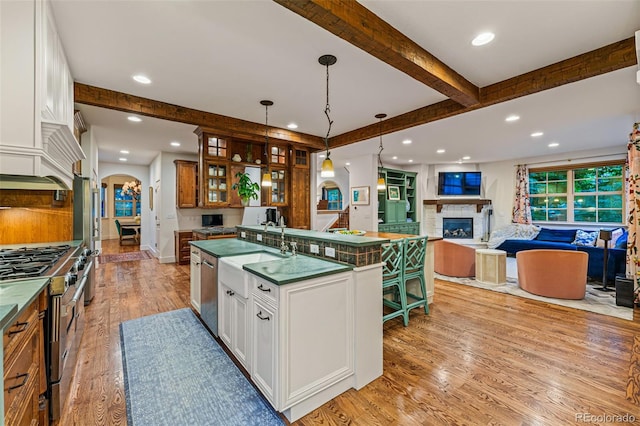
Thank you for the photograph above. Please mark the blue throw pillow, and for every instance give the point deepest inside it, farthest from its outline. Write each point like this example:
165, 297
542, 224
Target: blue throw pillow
621, 242
585, 238
557, 235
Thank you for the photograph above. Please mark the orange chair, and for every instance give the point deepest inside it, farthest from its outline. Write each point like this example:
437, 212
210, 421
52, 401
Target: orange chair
561, 274
454, 260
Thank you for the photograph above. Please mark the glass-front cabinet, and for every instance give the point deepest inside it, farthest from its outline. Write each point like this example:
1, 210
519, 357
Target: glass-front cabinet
278, 187
216, 184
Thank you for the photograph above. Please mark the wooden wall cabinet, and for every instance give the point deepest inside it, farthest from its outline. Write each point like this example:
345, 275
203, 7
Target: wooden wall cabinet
182, 247
300, 201
186, 184
24, 369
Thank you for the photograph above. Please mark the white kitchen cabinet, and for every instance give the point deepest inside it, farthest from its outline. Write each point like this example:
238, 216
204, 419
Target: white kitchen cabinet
303, 341
233, 326
195, 278
36, 94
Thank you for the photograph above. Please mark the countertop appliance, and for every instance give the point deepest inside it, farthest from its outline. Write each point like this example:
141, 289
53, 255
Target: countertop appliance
85, 228
64, 318
211, 220
209, 291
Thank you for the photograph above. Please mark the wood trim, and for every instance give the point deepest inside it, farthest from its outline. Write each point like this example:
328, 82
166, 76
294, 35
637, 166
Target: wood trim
442, 202
214, 123
362, 28
615, 56
619, 162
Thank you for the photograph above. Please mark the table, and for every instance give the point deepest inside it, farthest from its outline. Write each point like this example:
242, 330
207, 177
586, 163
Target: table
132, 225
491, 266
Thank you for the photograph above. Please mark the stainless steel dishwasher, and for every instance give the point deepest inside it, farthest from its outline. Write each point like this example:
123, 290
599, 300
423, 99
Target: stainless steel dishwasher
209, 292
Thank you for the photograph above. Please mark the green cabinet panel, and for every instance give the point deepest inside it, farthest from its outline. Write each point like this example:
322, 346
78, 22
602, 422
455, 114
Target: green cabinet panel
399, 213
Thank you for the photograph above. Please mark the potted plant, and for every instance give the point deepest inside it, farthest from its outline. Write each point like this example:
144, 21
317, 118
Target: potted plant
246, 188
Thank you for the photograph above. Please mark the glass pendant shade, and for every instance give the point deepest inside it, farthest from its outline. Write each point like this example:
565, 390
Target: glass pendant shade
327, 168
381, 184
266, 179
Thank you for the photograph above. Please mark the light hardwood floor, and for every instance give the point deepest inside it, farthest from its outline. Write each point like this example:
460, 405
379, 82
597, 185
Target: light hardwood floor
479, 358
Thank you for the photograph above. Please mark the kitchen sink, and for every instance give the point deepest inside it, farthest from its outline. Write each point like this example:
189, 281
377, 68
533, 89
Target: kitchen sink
233, 276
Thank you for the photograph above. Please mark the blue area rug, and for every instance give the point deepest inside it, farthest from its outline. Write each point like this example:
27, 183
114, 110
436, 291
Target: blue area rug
175, 373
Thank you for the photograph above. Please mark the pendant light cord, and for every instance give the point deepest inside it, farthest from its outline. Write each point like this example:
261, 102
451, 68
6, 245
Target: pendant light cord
381, 148
327, 110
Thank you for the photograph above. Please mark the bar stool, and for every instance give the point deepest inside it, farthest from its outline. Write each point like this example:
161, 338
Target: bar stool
393, 281
413, 268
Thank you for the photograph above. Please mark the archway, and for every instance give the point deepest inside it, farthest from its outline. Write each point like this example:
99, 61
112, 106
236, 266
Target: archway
121, 198
329, 196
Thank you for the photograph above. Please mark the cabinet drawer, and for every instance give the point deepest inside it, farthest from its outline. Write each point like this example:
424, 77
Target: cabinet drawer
21, 366
265, 290
18, 330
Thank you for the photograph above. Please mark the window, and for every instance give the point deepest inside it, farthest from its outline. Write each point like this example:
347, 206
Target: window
335, 199
125, 205
590, 194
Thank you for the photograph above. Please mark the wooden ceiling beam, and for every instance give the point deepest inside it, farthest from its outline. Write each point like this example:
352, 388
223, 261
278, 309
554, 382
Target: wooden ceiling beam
606, 59
226, 126
359, 26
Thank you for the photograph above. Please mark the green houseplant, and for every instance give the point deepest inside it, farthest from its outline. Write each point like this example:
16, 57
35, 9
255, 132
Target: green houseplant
246, 188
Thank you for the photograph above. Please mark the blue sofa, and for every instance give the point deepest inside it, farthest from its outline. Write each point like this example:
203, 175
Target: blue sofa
562, 239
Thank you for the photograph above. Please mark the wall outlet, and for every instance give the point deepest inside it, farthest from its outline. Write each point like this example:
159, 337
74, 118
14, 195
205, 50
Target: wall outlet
314, 248
243, 234
259, 237
330, 252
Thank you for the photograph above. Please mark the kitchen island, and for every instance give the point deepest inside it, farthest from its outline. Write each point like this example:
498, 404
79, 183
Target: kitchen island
307, 328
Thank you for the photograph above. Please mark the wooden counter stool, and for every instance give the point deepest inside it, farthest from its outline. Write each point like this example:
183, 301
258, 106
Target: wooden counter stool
393, 281
413, 268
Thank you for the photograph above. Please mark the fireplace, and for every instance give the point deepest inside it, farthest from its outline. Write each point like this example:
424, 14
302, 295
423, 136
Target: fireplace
457, 227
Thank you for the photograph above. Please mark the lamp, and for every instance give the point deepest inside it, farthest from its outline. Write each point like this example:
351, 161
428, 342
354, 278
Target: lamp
381, 183
266, 177
327, 165
605, 235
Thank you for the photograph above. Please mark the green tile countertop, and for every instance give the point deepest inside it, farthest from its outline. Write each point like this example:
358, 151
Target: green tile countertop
18, 294
295, 268
349, 240
228, 247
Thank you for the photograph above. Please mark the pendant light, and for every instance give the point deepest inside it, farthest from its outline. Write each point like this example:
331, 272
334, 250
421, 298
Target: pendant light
381, 183
327, 165
266, 177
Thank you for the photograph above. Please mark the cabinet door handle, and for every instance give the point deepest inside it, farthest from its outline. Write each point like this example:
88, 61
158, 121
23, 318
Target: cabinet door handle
230, 292
265, 289
24, 376
259, 315
20, 327
210, 265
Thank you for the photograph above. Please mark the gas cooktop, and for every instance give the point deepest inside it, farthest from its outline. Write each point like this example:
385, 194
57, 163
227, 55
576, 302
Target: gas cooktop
29, 262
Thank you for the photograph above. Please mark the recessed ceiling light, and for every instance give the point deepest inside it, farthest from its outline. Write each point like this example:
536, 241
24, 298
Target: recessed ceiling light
122, 159
142, 79
124, 151
348, 164
553, 144
406, 141
134, 119
512, 117
466, 157
175, 143
292, 126
441, 151
536, 134
395, 157
411, 161
483, 38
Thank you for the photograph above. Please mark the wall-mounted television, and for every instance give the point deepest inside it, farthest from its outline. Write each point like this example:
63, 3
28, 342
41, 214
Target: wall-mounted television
459, 183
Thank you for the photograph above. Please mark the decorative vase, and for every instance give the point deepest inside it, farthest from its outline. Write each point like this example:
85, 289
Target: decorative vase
137, 219
244, 202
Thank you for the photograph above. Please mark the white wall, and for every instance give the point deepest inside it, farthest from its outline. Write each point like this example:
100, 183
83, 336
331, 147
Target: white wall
341, 179
364, 172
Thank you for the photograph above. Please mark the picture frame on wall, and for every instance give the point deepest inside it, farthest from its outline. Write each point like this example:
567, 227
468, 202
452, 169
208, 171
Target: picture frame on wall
393, 193
360, 195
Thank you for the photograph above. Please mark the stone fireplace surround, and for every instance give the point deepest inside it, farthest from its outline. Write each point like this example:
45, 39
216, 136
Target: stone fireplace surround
435, 210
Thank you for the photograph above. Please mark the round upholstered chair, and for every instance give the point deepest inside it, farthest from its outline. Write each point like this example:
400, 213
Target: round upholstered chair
454, 260
561, 274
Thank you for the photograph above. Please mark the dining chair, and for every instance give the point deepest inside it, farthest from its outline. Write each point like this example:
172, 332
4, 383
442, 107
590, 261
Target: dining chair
415, 249
125, 233
393, 281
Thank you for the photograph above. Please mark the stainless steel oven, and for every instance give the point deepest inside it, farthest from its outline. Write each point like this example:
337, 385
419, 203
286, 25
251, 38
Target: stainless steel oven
69, 271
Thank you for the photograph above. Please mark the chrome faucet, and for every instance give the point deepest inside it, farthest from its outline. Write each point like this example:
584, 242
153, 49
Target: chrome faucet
294, 247
283, 244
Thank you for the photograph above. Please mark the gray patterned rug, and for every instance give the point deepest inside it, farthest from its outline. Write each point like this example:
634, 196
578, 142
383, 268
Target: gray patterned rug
175, 373
594, 300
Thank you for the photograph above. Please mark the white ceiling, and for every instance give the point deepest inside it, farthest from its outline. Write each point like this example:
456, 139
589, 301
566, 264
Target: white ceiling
225, 56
